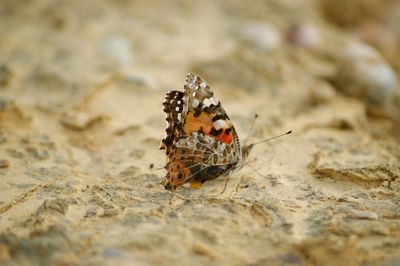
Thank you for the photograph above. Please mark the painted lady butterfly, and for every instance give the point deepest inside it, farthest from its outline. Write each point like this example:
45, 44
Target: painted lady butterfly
201, 143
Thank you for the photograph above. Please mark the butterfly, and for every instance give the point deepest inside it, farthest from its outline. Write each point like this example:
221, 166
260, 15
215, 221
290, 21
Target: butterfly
201, 142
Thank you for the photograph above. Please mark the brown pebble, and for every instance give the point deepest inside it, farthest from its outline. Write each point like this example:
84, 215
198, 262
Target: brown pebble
4, 163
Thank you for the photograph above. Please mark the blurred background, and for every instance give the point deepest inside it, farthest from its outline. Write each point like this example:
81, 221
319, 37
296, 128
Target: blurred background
53, 53
81, 88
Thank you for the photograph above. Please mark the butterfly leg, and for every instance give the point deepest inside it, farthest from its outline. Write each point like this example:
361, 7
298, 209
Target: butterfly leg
173, 197
226, 183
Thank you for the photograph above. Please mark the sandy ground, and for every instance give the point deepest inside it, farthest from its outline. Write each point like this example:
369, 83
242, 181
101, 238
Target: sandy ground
81, 87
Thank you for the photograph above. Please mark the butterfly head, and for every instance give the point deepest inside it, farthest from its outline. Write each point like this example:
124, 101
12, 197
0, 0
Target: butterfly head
246, 150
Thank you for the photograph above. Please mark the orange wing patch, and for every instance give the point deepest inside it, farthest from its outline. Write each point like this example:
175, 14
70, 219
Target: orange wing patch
194, 124
204, 123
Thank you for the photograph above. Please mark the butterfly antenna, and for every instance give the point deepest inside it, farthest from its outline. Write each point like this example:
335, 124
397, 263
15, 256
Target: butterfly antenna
251, 128
266, 140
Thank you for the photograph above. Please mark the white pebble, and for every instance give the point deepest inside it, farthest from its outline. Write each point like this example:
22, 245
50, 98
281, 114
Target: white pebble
358, 214
364, 74
265, 37
117, 48
304, 35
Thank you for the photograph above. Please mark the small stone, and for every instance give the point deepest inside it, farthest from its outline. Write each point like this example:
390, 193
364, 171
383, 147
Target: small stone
358, 214
59, 206
201, 250
322, 92
264, 37
4, 163
118, 49
304, 35
364, 74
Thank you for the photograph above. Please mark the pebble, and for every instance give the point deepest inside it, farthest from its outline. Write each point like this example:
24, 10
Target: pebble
57, 206
322, 92
265, 37
358, 214
4, 163
118, 49
304, 35
364, 74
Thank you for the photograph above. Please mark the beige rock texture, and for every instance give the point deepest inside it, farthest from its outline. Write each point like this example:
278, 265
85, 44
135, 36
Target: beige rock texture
81, 91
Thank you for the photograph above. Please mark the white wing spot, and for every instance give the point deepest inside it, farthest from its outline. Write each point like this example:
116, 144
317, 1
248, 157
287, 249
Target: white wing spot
194, 94
220, 148
179, 102
213, 101
203, 85
220, 124
207, 102
195, 103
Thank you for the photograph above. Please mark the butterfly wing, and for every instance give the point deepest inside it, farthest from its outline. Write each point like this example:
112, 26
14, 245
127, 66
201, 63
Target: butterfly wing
173, 107
203, 113
201, 142
197, 159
